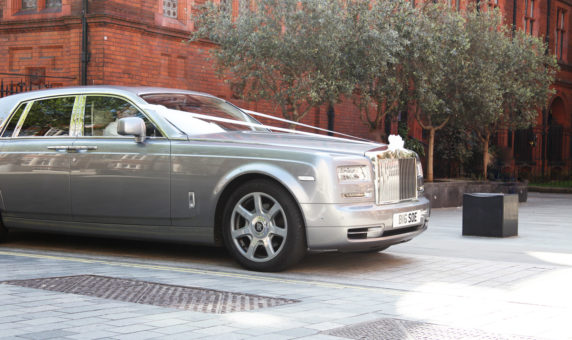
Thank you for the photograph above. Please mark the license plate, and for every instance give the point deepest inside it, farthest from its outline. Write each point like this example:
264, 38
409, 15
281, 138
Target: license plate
406, 219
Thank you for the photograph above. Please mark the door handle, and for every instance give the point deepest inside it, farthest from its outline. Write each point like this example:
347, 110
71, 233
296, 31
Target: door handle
59, 147
72, 148
82, 147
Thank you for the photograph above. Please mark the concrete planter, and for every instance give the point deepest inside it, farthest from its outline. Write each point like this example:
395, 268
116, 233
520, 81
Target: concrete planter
449, 193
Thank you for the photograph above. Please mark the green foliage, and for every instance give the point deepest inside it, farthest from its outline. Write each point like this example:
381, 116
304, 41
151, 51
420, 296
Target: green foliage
552, 184
509, 77
463, 70
455, 143
378, 40
289, 52
410, 143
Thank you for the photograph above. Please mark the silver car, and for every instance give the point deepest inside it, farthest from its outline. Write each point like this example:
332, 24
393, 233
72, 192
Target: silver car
174, 165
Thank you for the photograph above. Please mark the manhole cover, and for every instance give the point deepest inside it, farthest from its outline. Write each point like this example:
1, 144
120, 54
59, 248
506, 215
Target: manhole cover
391, 329
156, 294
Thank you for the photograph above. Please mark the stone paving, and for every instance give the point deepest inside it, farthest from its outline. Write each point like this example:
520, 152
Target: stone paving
500, 288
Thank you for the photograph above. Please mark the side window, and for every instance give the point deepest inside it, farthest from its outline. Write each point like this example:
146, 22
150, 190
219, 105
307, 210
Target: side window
48, 117
14, 121
102, 114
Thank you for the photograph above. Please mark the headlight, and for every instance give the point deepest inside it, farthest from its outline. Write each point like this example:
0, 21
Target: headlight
353, 173
419, 168
420, 183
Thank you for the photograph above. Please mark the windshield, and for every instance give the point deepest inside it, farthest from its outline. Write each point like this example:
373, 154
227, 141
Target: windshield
190, 113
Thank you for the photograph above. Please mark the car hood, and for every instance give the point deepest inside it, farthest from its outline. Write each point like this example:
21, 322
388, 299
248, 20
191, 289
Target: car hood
297, 141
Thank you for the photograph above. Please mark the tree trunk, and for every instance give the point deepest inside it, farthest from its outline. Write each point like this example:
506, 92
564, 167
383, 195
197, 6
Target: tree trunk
486, 154
430, 155
375, 135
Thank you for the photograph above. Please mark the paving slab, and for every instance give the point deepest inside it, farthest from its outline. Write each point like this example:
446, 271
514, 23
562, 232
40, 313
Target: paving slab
518, 286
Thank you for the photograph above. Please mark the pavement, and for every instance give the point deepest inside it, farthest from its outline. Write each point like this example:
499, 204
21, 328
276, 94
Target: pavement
440, 285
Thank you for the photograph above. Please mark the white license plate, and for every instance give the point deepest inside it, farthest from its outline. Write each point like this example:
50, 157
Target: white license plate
406, 219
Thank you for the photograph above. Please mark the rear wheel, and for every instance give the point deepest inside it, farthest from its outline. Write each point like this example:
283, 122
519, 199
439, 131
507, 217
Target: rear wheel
263, 228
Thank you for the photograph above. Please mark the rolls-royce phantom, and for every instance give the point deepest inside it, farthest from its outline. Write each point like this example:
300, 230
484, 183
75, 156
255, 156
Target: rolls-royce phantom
175, 165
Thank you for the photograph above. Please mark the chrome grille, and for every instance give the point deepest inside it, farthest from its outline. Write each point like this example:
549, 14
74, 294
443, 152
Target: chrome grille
396, 180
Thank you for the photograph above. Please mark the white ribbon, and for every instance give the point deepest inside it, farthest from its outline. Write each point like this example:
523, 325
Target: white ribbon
164, 111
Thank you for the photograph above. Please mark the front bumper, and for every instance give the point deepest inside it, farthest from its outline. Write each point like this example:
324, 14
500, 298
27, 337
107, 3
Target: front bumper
333, 227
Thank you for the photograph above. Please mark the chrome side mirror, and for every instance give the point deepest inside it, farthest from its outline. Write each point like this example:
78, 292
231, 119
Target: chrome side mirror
132, 126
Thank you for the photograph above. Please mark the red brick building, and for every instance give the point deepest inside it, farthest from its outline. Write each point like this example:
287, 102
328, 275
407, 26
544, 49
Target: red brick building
143, 42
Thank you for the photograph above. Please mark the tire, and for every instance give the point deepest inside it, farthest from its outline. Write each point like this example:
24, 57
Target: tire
3, 231
263, 228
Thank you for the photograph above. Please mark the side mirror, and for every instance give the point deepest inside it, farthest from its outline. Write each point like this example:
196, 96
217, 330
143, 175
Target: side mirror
132, 126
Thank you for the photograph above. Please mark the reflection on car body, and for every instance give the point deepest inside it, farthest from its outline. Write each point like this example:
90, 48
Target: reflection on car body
155, 163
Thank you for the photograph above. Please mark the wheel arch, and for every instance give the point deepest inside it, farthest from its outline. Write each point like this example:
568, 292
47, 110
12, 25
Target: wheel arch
288, 183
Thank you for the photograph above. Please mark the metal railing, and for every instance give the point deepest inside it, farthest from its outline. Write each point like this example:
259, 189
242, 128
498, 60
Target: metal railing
20, 82
12, 87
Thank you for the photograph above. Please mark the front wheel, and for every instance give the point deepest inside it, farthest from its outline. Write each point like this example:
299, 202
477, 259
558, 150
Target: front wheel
263, 228
3, 231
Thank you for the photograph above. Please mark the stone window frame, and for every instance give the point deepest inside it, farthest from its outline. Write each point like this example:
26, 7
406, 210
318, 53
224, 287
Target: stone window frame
529, 16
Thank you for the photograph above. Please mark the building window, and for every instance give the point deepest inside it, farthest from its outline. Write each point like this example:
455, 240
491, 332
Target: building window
529, 16
53, 3
456, 4
29, 4
35, 5
493, 4
560, 33
170, 8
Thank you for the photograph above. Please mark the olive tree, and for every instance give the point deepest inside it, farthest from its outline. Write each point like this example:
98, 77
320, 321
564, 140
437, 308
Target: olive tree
435, 64
378, 38
288, 52
510, 76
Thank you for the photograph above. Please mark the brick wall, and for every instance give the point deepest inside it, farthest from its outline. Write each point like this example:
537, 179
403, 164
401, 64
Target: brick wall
131, 42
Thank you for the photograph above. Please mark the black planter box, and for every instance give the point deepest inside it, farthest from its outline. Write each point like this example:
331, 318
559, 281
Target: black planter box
494, 215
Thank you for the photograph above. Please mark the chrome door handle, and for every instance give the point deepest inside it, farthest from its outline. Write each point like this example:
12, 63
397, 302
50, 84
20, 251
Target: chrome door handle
59, 147
82, 147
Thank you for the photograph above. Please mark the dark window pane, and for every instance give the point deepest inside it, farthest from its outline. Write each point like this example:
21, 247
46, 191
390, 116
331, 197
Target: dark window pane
29, 4
53, 3
14, 121
103, 113
49, 117
555, 142
523, 144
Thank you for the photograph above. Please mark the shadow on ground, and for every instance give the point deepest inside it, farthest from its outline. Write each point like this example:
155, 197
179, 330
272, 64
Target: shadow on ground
314, 263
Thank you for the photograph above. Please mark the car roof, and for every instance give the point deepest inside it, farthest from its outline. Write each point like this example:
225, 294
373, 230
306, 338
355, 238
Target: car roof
137, 90
7, 104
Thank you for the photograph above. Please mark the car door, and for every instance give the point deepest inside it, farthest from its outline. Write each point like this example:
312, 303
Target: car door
35, 163
114, 179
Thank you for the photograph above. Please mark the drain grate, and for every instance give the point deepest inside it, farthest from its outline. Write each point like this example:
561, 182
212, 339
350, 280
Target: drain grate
156, 294
391, 329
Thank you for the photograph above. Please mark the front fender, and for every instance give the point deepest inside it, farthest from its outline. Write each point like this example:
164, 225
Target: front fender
287, 175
